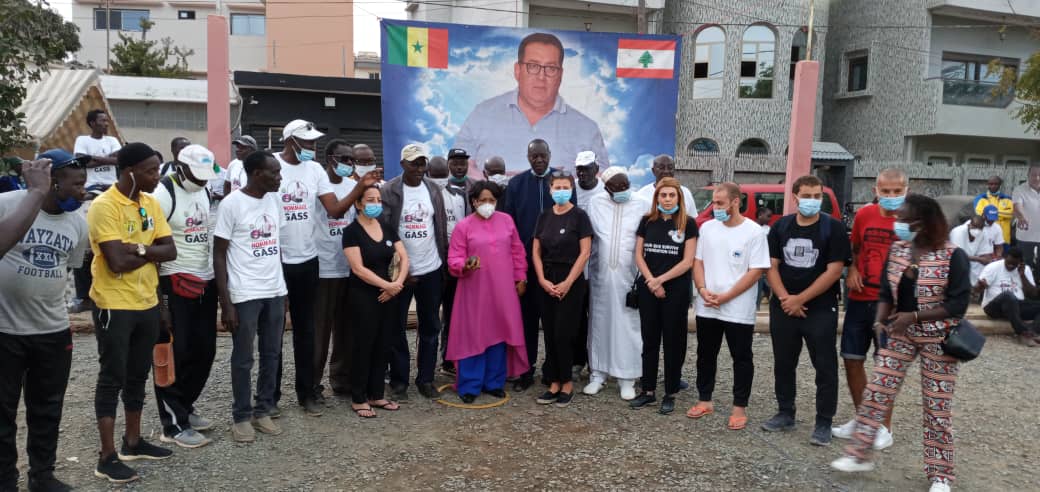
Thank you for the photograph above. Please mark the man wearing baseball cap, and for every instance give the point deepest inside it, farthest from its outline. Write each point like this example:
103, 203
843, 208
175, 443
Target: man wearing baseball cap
236, 174
589, 185
303, 180
414, 207
188, 303
35, 341
992, 228
458, 202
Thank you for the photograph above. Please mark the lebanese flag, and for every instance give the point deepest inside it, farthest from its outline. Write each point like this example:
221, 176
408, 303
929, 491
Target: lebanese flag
646, 59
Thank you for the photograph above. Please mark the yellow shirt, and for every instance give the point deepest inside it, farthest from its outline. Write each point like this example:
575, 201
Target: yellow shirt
114, 217
1005, 211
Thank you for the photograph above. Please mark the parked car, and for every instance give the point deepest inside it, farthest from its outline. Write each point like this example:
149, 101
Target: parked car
755, 196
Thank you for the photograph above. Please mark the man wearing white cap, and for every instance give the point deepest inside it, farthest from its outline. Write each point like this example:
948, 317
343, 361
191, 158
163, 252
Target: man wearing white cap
304, 185
615, 340
236, 175
589, 185
188, 303
664, 167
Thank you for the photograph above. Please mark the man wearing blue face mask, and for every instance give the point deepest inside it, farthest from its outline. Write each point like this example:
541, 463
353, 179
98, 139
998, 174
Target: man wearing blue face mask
808, 252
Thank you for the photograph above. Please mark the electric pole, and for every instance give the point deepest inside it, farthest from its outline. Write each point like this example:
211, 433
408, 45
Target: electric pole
641, 17
108, 36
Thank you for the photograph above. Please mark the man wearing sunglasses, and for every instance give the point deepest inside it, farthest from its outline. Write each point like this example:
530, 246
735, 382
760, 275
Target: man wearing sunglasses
503, 124
35, 341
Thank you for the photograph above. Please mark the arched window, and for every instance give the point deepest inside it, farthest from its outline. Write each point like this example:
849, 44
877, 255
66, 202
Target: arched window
798, 46
756, 62
709, 63
753, 147
702, 147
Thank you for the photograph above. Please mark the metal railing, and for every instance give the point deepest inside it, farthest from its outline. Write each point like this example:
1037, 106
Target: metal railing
975, 93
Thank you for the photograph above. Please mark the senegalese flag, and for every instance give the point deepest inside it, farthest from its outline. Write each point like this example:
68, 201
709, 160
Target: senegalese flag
417, 46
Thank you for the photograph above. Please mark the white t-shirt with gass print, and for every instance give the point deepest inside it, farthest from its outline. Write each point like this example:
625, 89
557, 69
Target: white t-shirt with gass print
253, 227
298, 194
417, 230
728, 253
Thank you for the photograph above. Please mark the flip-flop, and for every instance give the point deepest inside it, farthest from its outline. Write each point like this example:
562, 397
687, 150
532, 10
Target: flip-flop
696, 412
389, 406
737, 423
359, 410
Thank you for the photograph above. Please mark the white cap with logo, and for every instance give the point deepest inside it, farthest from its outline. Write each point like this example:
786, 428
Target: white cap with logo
585, 158
301, 129
411, 152
200, 161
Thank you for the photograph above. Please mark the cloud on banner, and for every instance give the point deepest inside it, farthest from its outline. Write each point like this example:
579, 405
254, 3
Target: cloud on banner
633, 116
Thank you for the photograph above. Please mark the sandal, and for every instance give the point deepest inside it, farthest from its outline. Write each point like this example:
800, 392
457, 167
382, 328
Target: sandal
737, 423
696, 412
371, 414
388, 405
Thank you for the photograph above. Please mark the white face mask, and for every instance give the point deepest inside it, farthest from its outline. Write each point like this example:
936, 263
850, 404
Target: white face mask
190, 186
485, 210
975, 232
499, 179
442, 182
361, 171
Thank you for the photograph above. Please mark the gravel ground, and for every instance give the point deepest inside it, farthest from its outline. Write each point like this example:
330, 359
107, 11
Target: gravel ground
597, 443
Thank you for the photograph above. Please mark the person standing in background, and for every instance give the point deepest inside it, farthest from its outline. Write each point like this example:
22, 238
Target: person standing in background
1026, 199
589, 185
236, 174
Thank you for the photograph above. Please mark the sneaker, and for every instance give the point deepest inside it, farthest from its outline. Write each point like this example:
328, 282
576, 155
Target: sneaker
883, 439
547, 398
642, 400
243, 432
47, 483
849, 464
112, 469
319, 398
667, 405
274, 412
429, 391
267, 426
199, 423
311, 408
187, 438
821, 436
628, 389
144, 450
593, 387
399, 394
845, 430
780, 422
939, 487
563, 399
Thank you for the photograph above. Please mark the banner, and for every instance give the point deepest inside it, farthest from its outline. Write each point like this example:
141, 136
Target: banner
491, 90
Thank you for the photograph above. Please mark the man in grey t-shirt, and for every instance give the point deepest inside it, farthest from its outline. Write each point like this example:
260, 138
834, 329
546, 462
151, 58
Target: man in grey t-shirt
35, 341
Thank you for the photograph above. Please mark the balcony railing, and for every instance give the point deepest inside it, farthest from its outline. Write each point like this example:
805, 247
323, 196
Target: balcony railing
975, 93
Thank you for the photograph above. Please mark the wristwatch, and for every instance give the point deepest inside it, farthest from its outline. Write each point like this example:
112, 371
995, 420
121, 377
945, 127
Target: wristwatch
141, 250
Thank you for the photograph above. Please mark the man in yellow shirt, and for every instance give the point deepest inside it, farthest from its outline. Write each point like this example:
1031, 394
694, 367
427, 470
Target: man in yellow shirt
128, 235
1005, 206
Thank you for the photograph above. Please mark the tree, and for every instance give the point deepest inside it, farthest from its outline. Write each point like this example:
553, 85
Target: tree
1025, 87
32, 37
143, 58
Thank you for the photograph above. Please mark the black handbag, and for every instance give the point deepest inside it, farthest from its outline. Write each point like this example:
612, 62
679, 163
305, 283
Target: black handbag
632, 298
964, 341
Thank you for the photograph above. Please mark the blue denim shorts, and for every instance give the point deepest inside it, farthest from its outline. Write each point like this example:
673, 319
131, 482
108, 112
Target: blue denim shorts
858, 332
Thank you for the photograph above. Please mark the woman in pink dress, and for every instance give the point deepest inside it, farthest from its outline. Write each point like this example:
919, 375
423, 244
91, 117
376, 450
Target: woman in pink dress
487, 335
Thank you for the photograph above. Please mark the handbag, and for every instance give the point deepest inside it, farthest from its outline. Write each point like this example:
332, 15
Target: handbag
395, 267
164, 371
632, 298
187, 285
964, 341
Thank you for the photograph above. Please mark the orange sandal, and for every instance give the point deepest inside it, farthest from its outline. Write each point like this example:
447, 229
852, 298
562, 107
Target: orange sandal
737, 423
696, 412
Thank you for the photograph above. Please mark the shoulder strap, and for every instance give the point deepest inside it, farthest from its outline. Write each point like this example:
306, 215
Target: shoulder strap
165, 168
783, 228
167, 182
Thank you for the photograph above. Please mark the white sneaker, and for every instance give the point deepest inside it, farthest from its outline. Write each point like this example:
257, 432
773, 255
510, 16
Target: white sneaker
593, 387
628, 389
939, 487
849, 464
187, 438
883, 439
845, 430
199, 422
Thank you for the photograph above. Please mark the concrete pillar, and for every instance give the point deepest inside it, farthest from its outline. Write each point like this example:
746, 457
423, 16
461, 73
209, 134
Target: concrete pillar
218, 102
803, 121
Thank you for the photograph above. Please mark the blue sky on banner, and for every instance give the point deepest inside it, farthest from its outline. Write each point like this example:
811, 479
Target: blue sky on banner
635, 116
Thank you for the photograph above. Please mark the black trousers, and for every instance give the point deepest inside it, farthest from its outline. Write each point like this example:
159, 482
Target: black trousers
82, 276
710, 332
124, 340
561, 319
370, 331
531, 312
664, 321
1007, 306
194, 347
302, 282
581, 345
451, 284
819, 330
427, 291
40, 364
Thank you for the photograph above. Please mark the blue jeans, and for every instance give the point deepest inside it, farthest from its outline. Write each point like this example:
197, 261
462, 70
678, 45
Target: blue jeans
262, 319
427, 293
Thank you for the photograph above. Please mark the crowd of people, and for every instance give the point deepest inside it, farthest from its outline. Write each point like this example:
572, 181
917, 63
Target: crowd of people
606, 273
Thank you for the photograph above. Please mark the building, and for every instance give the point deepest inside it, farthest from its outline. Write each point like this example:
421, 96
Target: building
366, 65
572, 15
184, 22
308, 37
919, 93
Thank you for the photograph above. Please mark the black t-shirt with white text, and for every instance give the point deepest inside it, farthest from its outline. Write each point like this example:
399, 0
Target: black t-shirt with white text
804, 256
663, 244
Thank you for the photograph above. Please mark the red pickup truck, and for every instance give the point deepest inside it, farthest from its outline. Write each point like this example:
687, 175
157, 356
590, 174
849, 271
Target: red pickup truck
755, 196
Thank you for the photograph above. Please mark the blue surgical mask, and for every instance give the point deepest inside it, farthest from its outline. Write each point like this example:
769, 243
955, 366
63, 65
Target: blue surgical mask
720, 214
303, 154
70, 204
343, 170
621, 196
902, 230
667, 211
809, 207
891, 203
373, 210
561, 196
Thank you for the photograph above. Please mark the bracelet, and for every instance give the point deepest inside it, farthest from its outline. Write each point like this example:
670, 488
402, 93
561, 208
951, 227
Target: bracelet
700, 289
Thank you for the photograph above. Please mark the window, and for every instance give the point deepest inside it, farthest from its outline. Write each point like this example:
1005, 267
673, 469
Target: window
940, 159
374, 76
1016, 161
798, 47
702, 147
186, 14
857, 71
775, 202
752, 147
120, 19
247, 25
709, 64
968, 80
756, 62
979, 160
